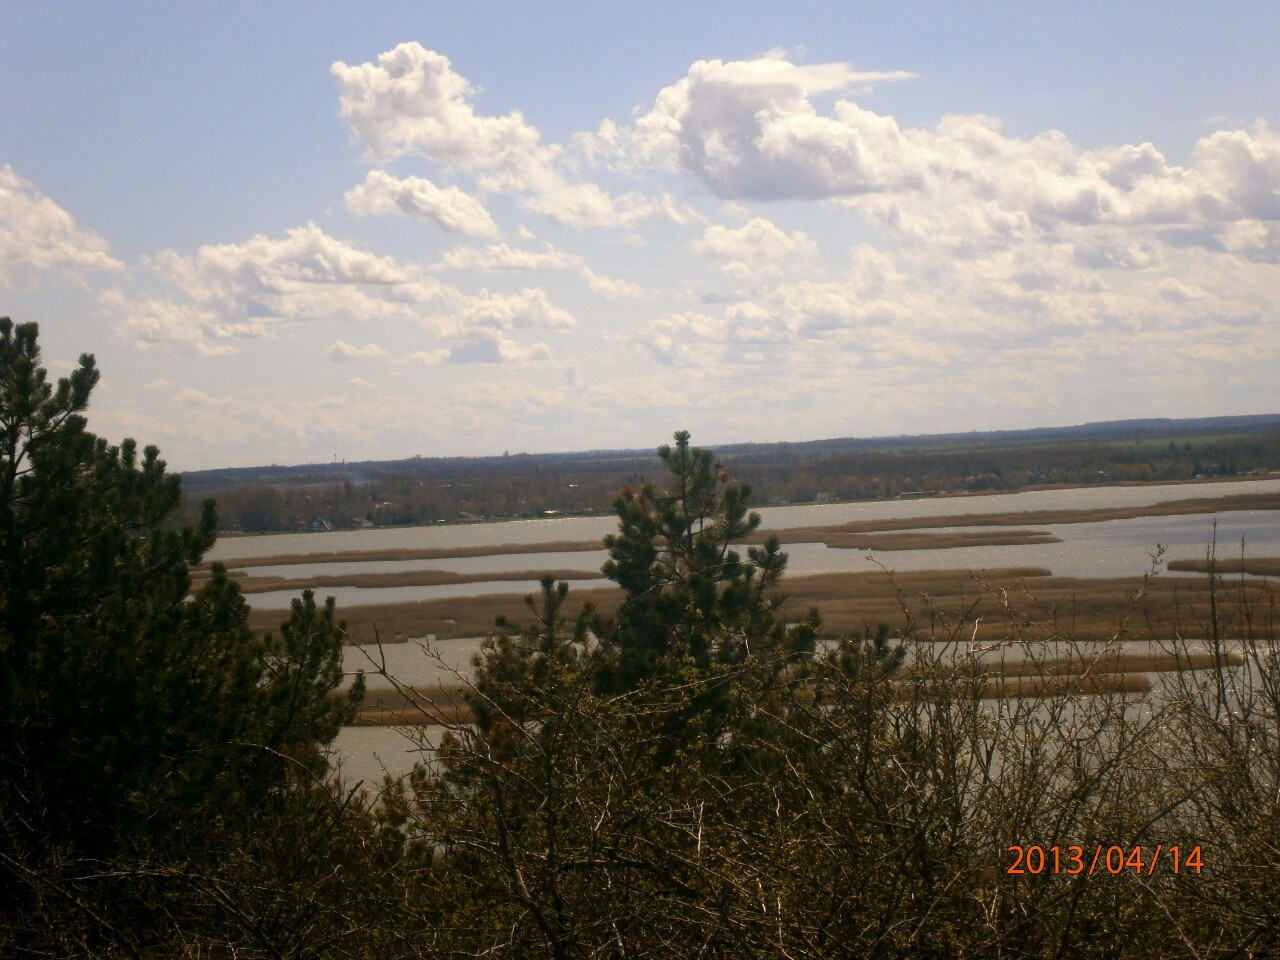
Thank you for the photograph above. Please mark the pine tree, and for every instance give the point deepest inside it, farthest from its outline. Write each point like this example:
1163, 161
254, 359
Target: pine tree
130, 713
690, 599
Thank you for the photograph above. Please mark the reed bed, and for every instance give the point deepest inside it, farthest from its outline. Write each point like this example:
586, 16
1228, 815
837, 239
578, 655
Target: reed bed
406, 578
1087, 608
1252, 566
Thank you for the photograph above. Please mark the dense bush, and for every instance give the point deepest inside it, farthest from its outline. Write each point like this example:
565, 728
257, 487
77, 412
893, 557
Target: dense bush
740, 795
147, 737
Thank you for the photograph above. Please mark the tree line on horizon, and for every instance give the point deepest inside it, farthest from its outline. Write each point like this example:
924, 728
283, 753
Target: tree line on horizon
687, 775
425, 491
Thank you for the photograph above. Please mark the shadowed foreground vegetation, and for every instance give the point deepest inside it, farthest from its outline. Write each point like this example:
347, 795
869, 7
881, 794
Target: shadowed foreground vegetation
835, 803
726, 786
861, 798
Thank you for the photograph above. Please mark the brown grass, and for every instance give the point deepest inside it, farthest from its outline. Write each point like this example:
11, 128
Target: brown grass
446, 707
447, 618
1063, 608
946, 602
1004, 688
1257, 566
409, 553
1026, 518
835, 535
442, 706
1109, 673
407, 578
844, 540
1109, 662
1052, 608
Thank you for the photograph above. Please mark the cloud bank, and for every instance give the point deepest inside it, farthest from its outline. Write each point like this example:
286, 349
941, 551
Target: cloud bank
752, 222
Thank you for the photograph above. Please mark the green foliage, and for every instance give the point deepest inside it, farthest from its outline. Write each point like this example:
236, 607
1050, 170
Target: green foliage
689, 597
300, 672
517, 670
134, 720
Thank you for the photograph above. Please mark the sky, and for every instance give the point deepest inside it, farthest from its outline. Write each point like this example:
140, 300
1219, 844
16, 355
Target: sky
291, 233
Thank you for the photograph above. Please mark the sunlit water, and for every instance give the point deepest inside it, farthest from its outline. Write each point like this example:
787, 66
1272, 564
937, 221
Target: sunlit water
1112, 548
594, 528
1108, 549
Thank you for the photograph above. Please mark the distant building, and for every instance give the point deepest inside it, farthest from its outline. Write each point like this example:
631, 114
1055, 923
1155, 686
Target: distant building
320, 525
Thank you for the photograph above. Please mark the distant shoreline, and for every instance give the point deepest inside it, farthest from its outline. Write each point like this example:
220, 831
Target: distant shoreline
881, 535
231, 535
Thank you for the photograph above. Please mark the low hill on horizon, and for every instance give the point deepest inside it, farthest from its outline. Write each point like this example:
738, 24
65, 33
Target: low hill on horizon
422, 490
1103, 430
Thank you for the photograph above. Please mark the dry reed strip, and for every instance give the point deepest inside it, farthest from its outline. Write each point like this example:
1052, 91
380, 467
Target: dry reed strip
447, 706
1025, 686
1255, 566
430, 578
407, 578
1028, 518
1108, 671
1106, 663
408, 553
836, 535
425, 714
462, 617
448, 618
1008, 688
841, 540
1053, 608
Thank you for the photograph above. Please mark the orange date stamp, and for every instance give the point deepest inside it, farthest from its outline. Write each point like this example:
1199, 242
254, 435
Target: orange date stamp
1075, 860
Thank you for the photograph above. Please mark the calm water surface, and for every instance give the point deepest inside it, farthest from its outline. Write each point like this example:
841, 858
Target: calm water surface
594, 528
1107, 549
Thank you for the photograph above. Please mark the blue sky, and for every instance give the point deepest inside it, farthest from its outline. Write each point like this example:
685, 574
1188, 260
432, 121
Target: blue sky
290, 232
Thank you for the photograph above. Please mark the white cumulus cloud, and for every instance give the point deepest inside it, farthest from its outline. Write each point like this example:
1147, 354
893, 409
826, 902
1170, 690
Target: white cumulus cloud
491, 346
411, 102
235, 291
419, 199
501, 256
36, 232
530, 307
748, 129
612, 288
758, 247
752, 131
